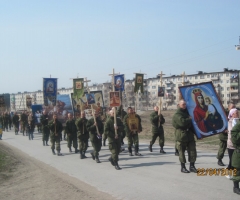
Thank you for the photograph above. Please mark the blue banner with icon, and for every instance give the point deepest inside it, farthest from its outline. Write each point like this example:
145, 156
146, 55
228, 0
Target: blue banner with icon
49, 91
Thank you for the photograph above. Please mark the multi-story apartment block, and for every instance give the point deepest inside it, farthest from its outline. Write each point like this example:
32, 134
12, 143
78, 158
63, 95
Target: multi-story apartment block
225, 82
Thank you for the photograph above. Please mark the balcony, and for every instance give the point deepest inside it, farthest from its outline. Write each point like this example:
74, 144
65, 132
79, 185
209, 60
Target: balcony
168, 82
234, 84
215, 78
235, 97
234, 91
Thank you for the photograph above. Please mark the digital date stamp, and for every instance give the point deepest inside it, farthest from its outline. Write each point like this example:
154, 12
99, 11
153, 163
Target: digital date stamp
216, 172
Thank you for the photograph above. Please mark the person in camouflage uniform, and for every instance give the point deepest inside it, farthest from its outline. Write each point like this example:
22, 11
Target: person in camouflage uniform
45, 128
24, 121
56, 128
71, 131
132, 135
82, 134
5, 121
114, 140
10, 121
95, 137
235, 136
15, 121
157, 129
121, 113
182, 123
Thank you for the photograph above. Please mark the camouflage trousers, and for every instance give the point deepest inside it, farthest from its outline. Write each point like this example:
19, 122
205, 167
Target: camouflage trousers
72, 140
222, 149
161, 138
191, 149
55, 140
133, 139
83, 142
96, 144
115, 148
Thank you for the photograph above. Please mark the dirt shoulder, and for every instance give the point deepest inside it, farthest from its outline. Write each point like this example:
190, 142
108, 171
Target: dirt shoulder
23, 177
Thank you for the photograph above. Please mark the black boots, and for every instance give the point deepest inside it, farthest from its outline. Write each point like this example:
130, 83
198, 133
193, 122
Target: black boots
43, 143
116, 165
136, 151
104, 142
70, 150
97, 159
176, 152
111, 160
47, 143
93, 157
53, 152
150, 147
162, 151
183, 168
192, 168
81, 155
236, 187
58, 153
76, 151
130, 151
220, 163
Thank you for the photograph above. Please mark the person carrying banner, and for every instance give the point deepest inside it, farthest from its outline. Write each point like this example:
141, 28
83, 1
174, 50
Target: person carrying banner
133, 126
71, 132
235, 136
157, 129
182, 123
122, 113
82, 134
106, 118
24, 119
95, 135
56, 128
45, 127
113, 132
15, 121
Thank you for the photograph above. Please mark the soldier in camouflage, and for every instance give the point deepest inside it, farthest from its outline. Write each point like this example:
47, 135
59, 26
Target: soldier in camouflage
71, 131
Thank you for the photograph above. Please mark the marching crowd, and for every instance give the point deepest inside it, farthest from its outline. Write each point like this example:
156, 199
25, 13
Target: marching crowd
98, 130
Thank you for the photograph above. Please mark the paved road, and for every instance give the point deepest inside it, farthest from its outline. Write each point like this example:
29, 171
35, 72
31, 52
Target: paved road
151, 176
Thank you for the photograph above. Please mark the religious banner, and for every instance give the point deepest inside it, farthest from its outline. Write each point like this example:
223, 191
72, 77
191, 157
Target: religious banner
161, 91
207, 112
119, 82
90, 98
133, 122
50, 91
62, 108
115, 100
37, 113
2, 102
28, 101
82, 104
78, 87
138, 83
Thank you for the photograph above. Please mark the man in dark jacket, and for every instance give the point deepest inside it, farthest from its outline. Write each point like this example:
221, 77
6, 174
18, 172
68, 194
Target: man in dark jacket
71, 131
157, 120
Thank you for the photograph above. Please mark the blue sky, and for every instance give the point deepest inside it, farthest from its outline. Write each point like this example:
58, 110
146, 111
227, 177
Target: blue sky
89, 38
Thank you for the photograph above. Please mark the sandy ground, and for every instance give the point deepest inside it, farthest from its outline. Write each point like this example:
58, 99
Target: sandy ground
28, 178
